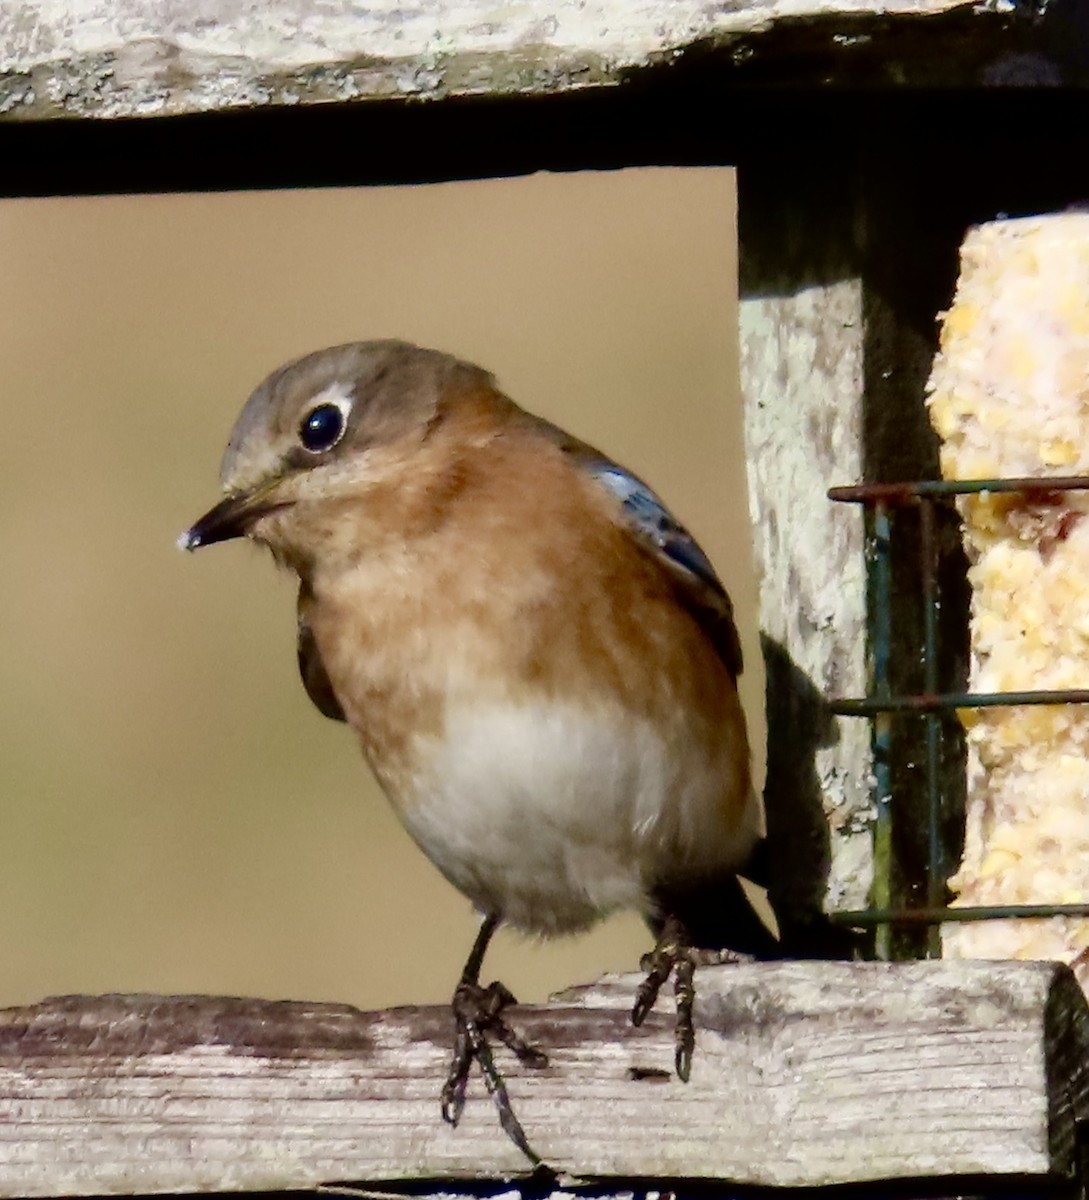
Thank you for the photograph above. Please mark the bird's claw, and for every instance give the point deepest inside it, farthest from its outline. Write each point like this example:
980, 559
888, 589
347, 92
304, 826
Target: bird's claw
672, 955
478, 1012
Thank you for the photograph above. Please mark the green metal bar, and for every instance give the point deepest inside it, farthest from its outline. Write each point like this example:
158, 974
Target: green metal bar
935, 871
880, 649
906, 493
947, 702
883, 917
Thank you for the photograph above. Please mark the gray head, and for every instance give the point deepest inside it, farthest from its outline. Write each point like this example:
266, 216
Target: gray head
310, 421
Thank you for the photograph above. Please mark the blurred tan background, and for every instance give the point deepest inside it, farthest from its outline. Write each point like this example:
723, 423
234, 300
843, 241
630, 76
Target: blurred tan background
175, 815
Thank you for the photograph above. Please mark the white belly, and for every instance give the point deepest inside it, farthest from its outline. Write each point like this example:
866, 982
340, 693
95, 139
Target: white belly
553, 816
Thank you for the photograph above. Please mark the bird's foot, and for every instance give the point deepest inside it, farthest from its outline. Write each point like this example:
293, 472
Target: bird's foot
673, 955
478, 1013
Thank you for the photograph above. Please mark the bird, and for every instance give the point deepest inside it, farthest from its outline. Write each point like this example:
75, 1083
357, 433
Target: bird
539, 663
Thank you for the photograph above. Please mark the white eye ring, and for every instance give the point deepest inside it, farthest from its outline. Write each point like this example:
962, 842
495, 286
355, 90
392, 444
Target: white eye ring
325, 423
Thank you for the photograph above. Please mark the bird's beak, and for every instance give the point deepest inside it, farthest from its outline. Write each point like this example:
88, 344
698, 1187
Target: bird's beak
231, 518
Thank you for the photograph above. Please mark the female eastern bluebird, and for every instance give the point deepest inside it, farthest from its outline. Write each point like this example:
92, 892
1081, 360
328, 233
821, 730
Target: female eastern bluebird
539, 662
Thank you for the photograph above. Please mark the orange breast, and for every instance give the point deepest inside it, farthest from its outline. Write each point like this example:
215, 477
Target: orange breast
518, 587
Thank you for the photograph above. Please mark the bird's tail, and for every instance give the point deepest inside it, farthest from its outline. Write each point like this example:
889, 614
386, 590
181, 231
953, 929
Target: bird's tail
718, 913
721, 913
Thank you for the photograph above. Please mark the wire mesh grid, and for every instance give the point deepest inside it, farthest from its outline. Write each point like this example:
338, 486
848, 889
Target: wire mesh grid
938, 710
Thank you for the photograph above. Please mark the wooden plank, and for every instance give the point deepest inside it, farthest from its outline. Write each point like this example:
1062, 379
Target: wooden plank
805, 1074
114, 58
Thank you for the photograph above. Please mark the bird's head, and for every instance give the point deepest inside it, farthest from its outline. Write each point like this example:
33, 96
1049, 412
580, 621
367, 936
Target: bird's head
323, 432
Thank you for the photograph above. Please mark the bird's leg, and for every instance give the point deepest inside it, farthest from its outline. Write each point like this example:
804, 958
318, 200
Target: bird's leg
673, 954
478, 1011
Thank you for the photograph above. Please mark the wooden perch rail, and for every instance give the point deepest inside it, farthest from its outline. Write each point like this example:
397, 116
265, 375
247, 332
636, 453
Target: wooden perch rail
805, 1074
165, 57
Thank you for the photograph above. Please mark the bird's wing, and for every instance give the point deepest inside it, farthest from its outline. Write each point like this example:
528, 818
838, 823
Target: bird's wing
311, 668
674, 548
664, 538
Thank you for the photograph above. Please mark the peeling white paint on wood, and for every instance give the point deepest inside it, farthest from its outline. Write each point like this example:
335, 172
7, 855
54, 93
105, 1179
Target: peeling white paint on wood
132, 57
801, 377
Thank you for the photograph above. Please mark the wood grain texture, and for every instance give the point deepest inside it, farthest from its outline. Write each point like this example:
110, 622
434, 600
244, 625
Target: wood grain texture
141, 57
802, 372
805, 1074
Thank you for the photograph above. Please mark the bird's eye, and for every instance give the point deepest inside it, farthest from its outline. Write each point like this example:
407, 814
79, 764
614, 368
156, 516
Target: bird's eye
322, 428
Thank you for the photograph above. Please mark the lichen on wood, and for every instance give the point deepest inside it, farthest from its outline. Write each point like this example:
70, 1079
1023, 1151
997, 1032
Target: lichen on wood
112, 58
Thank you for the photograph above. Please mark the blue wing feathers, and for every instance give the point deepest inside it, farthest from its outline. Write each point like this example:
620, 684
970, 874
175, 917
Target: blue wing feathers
662, 536
667, 539
655, 522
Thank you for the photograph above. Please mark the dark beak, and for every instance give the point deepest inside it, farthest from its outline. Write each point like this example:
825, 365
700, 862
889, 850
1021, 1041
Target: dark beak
231, 518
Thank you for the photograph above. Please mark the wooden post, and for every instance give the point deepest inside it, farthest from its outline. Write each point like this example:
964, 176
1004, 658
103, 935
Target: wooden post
802, 374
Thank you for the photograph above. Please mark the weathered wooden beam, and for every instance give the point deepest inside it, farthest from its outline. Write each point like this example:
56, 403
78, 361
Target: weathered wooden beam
802, 360
106, 58
805, 1074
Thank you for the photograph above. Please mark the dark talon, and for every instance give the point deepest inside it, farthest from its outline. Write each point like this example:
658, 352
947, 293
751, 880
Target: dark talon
657, 964
453, 1090
644, 1001
684, 990
478, 1012
674, 955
